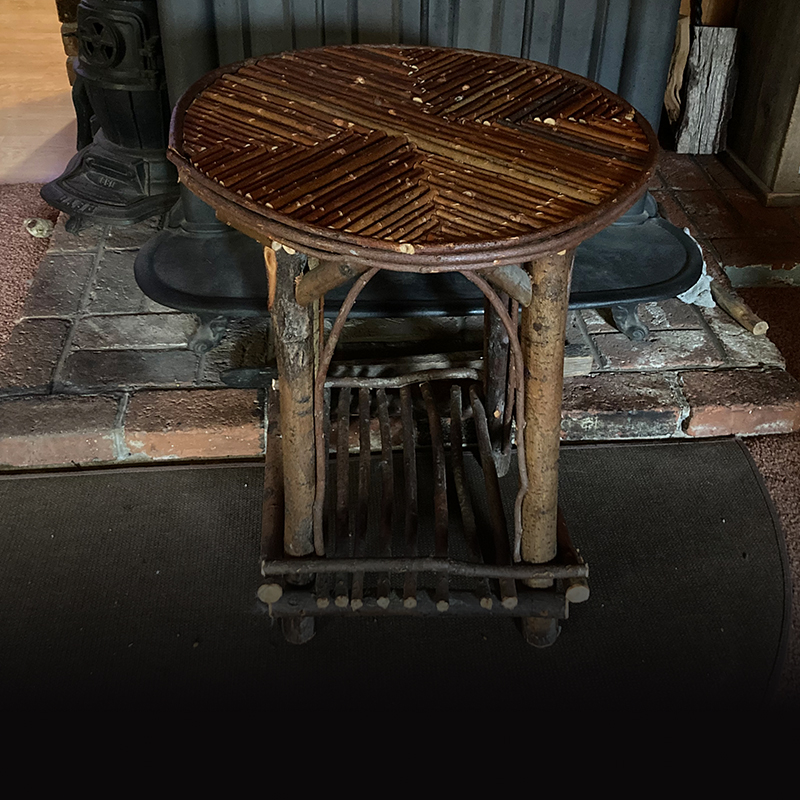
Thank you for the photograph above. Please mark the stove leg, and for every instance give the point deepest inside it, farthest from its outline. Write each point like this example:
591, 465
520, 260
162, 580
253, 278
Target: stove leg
209, 333
626, 318
75, 223
298, 630
540, 631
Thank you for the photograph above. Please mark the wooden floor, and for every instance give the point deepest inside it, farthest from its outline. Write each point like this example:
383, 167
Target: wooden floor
37, 121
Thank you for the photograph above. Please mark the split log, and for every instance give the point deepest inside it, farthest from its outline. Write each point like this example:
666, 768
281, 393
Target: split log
709, 93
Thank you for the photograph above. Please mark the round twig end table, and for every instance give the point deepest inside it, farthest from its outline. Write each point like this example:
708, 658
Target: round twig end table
343, 161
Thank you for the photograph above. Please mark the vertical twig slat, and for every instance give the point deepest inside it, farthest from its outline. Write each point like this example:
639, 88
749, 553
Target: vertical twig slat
410, 483
387, 495
462, 492
342, 529
502, 549
364, 458
440, 515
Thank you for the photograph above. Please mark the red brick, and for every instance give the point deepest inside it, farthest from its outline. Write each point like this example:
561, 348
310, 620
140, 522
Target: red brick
718, 172
743, 402
598, 320
713, 264
58, 285
702, 202
711, 214
673, 212
663, 350
128, 237
608, 406
55, 430
115, 289
133, 331
776, 253
760, 221
680, 172
198, 423
671, 314
88, 239
104, 370
742, 348
29, 358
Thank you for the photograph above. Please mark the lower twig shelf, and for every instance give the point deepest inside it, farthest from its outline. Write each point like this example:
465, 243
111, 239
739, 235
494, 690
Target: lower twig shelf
416, 518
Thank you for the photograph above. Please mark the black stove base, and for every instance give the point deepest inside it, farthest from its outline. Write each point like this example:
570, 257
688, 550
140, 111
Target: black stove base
108, 183
220, 273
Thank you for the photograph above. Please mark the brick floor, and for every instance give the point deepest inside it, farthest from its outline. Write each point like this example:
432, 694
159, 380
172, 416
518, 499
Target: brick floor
133, 331
747, 402
679, 172
58, 429
95, 372
755, 245
30, 357
90, 370
664, 350
222, 423
59, 283
644, 406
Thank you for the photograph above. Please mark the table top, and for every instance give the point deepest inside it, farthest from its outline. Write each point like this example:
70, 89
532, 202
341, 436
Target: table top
411, 157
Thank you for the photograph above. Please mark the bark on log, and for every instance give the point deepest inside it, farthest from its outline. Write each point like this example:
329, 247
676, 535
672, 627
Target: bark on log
677, 70
294, 350
542, 331
328, 275
272, 525
512, 280
709, 94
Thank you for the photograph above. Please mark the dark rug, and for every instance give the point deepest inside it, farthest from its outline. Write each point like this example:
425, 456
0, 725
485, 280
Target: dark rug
135, 587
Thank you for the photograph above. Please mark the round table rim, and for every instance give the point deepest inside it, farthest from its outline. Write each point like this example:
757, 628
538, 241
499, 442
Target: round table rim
266, 225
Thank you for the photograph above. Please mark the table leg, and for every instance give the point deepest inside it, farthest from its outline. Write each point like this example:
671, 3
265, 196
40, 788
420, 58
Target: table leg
542, 332
294, 351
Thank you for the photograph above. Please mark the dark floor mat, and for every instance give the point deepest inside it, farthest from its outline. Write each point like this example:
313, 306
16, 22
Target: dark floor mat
130, 587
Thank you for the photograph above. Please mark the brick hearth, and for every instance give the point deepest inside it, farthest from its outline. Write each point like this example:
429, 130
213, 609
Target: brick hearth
95, 372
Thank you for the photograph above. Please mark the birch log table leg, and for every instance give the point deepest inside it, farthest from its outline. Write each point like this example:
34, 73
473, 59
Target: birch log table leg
542, 332
294, 351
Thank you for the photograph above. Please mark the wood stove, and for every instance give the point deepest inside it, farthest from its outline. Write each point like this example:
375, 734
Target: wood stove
120, 174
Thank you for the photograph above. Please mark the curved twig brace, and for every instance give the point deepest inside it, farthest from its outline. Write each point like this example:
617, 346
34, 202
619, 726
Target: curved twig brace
319, 388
